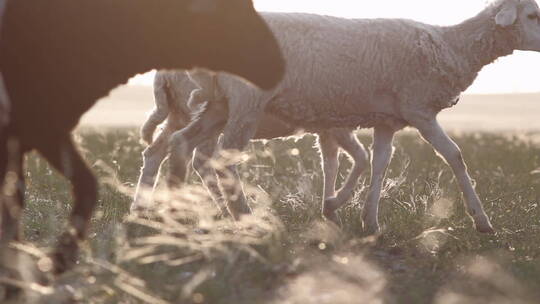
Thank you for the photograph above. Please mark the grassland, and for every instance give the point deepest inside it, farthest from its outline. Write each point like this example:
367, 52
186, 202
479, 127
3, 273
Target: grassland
428, 252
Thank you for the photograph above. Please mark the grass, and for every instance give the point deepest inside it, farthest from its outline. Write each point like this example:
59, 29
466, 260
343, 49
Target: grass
284, 253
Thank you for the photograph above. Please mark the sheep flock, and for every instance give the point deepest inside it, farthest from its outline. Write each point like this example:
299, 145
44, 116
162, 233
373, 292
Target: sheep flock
228, 75
394, 73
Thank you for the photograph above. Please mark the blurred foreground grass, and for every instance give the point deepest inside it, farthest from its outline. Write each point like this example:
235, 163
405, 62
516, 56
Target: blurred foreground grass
428, 253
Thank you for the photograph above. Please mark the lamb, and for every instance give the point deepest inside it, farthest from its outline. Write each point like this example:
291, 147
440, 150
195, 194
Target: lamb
59, 56
384, 74
179, 94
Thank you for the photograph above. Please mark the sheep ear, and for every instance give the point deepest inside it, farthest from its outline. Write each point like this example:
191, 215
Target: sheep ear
507, 15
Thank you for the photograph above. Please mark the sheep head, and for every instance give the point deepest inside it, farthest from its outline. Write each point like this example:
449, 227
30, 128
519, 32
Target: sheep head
524, 15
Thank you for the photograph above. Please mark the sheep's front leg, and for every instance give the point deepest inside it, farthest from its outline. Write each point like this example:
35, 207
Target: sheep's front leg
347, 140
381, 155
65, 158
329, 156
153, 157
207, 172
432, 132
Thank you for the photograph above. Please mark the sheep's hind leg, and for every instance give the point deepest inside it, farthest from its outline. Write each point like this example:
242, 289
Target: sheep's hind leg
347, 140
381, 155
432, 132
153, 157
208, 124
236, 136
64, 157
207, 173
158, 114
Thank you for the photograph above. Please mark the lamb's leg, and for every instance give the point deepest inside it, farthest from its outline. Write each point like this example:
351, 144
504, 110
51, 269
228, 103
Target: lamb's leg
330, 165
432, 132
207, 173
160, 111
381, 155
347, 140
236, 136
182, 143
65, 158
153, 157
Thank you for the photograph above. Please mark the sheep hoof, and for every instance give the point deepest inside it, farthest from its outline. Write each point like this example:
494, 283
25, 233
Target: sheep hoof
136, 208
371, 228
174, 182
484, 226
330, 205
370, 223
65, 255
238, 209
10, 292
481, 221
223, 212
140, 208
332, 217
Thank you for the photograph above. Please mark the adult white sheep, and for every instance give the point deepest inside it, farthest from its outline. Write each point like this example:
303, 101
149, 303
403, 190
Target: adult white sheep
341, 71
179, 94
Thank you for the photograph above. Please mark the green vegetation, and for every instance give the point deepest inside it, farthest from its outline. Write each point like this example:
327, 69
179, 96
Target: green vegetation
429, 251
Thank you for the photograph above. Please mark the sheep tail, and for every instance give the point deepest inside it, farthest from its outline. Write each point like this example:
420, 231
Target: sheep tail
163, 102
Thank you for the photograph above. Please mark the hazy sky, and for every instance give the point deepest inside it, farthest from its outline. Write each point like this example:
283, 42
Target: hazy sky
514, 73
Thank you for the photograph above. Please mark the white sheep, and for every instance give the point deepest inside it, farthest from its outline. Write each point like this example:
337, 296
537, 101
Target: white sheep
179, 94
381, 73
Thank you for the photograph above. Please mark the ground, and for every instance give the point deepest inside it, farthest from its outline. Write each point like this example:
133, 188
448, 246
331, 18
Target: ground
428, 251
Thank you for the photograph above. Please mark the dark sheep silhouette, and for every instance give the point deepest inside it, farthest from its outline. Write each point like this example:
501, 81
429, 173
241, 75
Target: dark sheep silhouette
59, 56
